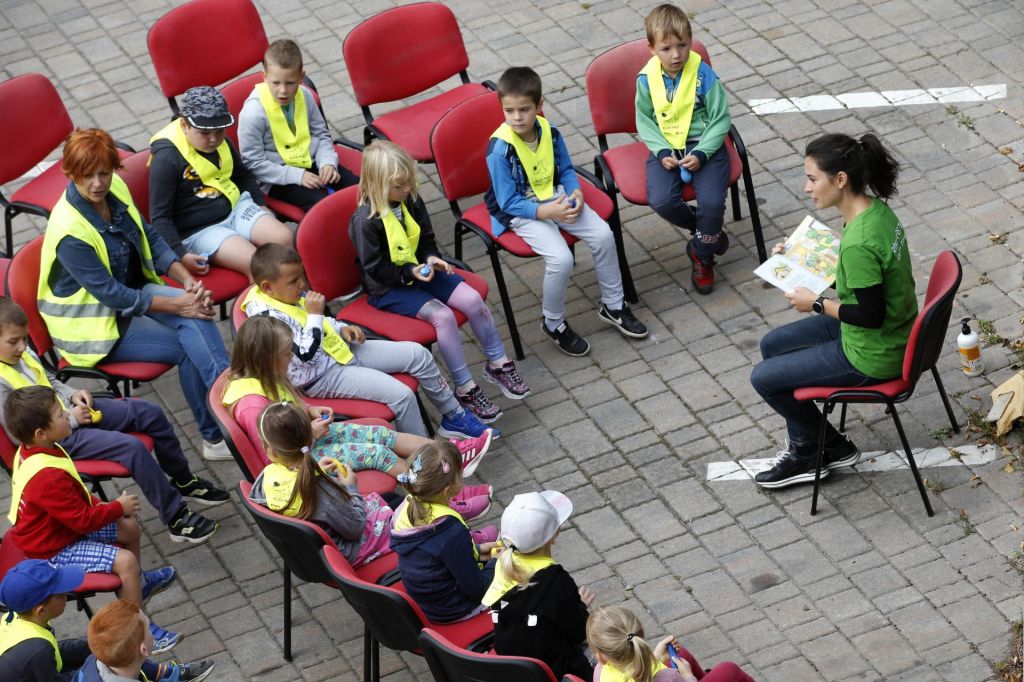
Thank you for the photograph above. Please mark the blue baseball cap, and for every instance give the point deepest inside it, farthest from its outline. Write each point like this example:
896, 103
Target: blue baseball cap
33, 581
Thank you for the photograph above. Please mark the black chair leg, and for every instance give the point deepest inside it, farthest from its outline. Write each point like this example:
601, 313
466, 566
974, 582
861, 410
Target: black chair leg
83, 605
367, 656
842, 419
945, 401
734, 191
628, 288
910, 460
755, 216
9, 231
825, 411
287, 614
458, 241
376, 661
506, 304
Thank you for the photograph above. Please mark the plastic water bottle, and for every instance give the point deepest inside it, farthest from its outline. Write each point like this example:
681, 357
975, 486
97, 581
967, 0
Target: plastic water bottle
970, 349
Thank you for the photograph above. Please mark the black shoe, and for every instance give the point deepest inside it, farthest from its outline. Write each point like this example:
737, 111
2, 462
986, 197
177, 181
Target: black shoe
623, 320
569, 342
723, 244
789, 469
840, 452
202, 491
188, 526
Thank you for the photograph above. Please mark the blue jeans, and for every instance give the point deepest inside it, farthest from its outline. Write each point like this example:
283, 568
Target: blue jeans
804, 353
193, 345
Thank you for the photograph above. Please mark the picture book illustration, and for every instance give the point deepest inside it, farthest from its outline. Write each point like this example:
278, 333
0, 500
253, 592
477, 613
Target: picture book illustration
808, 259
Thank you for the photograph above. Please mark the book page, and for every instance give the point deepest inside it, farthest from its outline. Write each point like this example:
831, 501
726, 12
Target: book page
809, 259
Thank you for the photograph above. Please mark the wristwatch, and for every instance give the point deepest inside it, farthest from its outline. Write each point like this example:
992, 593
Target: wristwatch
819, 305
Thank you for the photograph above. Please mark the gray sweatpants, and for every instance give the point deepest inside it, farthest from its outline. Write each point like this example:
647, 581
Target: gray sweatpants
367, 377
544, 239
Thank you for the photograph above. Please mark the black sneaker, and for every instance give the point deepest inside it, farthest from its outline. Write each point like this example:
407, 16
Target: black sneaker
569, 342
723, 244
623, 320
788, 469
202, 491
187, 672
188, 526
840, 452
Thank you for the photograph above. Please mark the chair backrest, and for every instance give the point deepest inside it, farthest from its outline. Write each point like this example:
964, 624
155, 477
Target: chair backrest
298, 542
611, 85
327, 251
205, 42
459, 145
22, 287
451, 663
33, 122
249, 456
431, 51
235, 93
391, 615
135, 173
928, 335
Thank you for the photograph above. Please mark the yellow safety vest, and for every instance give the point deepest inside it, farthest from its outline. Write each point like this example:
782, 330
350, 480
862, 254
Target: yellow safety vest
293, 146
239, 388
612, 674
83, 329
402, 521
673, 117
26, 469
402, 241
502, 584
16, 379
278, 483
539, 165
215, 177
18, 630
331, 343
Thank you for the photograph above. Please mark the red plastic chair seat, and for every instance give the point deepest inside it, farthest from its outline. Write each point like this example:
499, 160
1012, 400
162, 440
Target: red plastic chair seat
410, 126
136, 371
507, 240
11, 554
223, 283
628, 164
45, 189
890, 389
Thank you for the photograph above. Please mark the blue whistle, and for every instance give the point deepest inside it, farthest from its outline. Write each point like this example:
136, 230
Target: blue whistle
325, 415
425, 270
685, 174
330, 190
672, 655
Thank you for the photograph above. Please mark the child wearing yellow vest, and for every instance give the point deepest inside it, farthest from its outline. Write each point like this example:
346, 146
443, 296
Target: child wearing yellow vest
403, 272
616, 637
283, 137
682, 115
202, 199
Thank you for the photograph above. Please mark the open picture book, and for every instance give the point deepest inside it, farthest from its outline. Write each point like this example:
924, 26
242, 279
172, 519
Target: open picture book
808, 259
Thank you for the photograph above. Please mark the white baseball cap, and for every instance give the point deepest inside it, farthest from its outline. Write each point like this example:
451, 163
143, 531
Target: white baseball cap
531, 520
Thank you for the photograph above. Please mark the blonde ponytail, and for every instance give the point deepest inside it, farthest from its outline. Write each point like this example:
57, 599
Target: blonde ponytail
617, 634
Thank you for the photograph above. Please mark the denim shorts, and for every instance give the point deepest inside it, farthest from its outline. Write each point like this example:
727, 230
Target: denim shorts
95, 553
240, 222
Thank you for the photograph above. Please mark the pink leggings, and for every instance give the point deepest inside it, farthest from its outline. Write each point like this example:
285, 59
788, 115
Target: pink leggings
466, 300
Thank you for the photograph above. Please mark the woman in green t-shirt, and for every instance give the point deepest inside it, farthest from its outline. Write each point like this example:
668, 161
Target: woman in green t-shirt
858, 339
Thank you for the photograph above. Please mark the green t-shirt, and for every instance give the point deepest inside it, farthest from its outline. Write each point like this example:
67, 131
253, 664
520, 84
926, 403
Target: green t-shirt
874, 250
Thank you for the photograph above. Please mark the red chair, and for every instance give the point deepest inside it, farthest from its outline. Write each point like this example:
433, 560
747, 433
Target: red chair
233, 26
459, 142
94, 583
432, 52
330, 260
224, 284
927, 337
299, 543
393, 619
21, 286
449, 662
33, 123
611, 91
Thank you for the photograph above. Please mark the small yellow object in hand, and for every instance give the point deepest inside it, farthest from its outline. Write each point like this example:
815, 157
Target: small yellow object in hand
95, 415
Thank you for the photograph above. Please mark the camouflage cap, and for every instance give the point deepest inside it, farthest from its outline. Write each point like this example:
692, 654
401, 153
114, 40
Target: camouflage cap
205, 108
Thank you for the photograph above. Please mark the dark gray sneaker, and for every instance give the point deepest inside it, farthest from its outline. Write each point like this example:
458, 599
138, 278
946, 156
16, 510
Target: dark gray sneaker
789, 469
840, 452
569, 342
623, 320
187, 526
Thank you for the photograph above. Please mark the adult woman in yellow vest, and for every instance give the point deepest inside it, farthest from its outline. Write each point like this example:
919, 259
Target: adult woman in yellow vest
99, 287
202, 200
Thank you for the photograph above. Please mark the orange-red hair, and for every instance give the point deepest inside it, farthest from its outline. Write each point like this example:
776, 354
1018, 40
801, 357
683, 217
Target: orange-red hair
88, 151
116, 633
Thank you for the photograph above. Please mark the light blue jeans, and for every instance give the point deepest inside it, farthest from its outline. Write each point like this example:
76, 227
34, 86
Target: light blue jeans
193, 345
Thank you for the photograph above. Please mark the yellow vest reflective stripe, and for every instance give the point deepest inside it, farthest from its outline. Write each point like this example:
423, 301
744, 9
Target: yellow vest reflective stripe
673, 117
278, 484
293, 146
239, 388
612, 674
402, 521
502, 584
331, 343
18, 630
539, 165
402, 241
218, 178
83, 329
16, 379
25, 469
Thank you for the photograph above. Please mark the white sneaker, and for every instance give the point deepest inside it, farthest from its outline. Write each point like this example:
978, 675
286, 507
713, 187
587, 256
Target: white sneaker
216, 452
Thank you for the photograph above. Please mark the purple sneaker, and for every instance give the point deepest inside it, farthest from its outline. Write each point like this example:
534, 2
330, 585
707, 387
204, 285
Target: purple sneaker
507, 378
479, 404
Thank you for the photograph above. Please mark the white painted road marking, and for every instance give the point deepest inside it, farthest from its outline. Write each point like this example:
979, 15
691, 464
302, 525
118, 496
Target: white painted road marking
970, 455
885, 98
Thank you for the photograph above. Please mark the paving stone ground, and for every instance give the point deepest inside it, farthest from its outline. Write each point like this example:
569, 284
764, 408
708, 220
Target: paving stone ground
870, 588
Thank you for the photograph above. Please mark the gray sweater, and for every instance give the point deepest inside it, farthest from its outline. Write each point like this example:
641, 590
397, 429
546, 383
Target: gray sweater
259, 153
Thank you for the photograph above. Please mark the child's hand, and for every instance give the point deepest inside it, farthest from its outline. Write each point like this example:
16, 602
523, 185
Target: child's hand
82, 397
329, 175
690, 163
586, 596
558, 209
311, 180
485, 548
81, 413
345, 474
575, 202
315, 303
778, 248
353, 334
669, 162
130, 504
192, 262
417, 272
320, 427
317, 412
439, 264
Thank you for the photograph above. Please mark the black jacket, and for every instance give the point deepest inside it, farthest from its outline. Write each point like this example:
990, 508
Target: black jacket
376, 269
32, 660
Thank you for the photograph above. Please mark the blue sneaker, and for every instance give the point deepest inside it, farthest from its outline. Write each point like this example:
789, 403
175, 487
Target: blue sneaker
157, 581
163, 640
464, 425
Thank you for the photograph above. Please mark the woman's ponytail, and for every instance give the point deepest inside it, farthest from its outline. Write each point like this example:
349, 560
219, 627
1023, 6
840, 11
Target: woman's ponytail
882, 168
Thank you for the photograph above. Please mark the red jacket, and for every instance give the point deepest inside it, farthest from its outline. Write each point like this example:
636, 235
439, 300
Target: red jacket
55, 512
